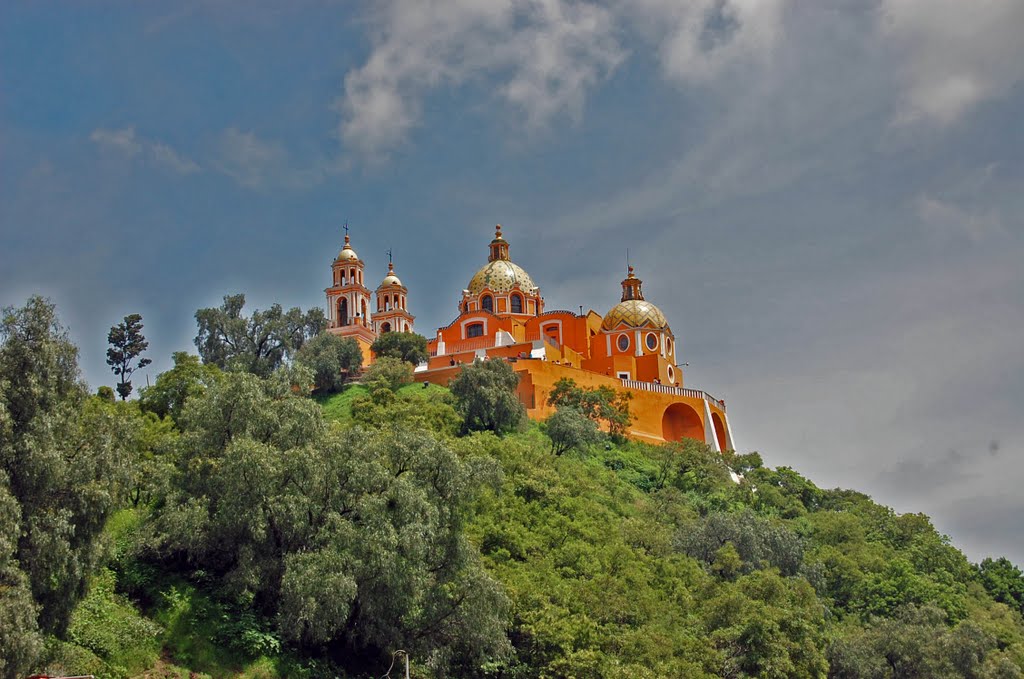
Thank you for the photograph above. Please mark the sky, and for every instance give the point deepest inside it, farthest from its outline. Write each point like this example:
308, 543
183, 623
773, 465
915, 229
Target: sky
825, 198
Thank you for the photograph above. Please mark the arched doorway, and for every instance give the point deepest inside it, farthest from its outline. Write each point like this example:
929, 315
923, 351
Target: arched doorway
720, 432
681, 421
343, 312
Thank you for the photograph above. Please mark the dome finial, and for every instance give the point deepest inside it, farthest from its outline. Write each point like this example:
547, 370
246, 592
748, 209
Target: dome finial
497, 231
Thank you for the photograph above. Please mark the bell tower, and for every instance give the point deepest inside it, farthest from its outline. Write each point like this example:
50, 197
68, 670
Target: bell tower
348, 298
392, 312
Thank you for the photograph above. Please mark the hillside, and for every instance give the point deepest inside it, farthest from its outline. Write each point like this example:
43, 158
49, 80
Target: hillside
241, 528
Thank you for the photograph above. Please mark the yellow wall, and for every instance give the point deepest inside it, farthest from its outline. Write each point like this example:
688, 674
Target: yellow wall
537, 379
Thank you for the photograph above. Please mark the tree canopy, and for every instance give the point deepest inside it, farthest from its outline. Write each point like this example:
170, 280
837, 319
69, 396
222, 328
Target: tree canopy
258, 344
333, 360
126, 346
62, 465
406, 346
485, 396
227, 523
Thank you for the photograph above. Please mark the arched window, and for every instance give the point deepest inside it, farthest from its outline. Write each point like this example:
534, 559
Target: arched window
517, 304
475, 330
343, 312
364, 312
487, 303
386, 327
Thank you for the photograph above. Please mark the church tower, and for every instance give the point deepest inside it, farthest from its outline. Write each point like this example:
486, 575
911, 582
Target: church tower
348, 299
392, 314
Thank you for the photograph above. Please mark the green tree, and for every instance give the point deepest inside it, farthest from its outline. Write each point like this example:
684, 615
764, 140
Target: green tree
106, 393
188, 378
62, 461
332, 359
126, 345
757, 542
1003, 581
413, 412
568, 428
485, 396
388, 373
601, 404
351, 540
406, 346
258, 344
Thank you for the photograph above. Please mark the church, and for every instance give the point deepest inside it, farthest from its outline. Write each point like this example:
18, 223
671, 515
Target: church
501, 316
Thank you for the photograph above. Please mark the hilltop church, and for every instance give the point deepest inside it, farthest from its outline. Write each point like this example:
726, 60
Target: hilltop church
501, 316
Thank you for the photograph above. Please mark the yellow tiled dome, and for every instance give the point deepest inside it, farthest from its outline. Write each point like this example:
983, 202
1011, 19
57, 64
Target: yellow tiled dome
634, 313
501, 275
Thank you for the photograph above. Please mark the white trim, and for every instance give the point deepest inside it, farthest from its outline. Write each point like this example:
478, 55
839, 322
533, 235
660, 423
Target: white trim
639, 350
709, 429
623, 375
479, 319
728, 433
546, 324
608, 337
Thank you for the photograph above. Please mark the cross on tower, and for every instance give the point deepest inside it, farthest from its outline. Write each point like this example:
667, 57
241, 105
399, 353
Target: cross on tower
389, 257
346, 227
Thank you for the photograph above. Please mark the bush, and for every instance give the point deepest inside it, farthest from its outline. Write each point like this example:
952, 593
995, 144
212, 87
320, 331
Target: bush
405, 346
332, 359
388, 373
569, 428
485, 396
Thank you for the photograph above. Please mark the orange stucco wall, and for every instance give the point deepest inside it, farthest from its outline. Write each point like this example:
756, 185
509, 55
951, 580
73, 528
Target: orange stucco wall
686, 416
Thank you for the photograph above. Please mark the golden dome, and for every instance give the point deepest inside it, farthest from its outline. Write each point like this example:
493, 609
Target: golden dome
501, 275
347, 254
391, 278
634, 313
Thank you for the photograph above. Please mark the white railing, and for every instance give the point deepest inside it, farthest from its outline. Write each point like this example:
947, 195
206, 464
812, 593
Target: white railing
673, 391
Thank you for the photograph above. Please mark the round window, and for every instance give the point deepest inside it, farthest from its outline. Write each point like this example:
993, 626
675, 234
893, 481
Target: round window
623, 342
671, 374
668, 345
652, 341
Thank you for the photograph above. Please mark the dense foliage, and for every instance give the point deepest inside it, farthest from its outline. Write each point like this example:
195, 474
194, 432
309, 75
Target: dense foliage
61, 472
602, 404
332, 359
405, 346
234, 526
258, 344
484, 393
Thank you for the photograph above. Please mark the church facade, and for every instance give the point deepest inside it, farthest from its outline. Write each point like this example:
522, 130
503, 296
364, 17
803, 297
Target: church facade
501, 316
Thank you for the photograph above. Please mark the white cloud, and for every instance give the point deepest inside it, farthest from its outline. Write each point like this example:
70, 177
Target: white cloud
954, 54
167, 157
126, 142
951, 219
257, 163
122, 141
544, 55
698, 40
